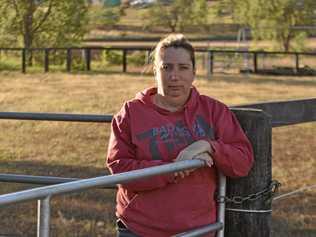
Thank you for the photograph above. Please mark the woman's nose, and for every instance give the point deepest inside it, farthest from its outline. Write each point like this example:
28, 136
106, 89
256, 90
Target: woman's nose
174, 74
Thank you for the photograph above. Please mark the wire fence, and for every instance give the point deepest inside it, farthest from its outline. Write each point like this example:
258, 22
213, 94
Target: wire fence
138, 59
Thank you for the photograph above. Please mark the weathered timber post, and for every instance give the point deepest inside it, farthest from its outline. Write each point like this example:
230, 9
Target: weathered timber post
297, 63
46, 60
68, 60
23, 60
124, 60
255, 62
88, 58
255, 217
209, 64
148, 57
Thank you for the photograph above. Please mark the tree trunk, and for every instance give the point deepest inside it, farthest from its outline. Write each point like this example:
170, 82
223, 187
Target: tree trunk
28, 31
286, 44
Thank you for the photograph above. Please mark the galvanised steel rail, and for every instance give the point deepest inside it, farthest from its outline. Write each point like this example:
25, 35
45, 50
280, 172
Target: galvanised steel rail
282, 112
57, 117
44, 194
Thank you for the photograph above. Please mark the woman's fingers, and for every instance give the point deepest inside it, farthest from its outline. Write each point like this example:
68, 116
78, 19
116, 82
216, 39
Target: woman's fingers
183, 174
194, 149
206, 158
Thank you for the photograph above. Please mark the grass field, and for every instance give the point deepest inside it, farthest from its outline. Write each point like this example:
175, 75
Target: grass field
78, 149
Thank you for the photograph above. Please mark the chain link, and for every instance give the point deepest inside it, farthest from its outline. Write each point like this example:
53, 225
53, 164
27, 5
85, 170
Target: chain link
268, 191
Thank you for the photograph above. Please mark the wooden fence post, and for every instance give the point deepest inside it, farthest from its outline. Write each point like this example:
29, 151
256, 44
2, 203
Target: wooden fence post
209, 64
257, 126
23, 60
212, 62
255, 62
297, 63
148, 57
68, 63
124, 60
46, 60
88, 58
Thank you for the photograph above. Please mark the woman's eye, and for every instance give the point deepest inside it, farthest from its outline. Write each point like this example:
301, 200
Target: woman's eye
165, 67
184, 67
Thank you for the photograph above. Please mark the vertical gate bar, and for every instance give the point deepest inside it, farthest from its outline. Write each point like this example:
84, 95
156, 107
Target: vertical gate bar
221, 204
43, 217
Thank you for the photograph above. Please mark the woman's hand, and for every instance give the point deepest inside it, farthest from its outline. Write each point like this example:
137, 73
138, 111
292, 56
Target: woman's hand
194, 149
198, 150
206, 157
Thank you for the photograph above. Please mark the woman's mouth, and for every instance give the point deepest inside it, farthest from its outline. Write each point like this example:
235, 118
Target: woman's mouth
175, 87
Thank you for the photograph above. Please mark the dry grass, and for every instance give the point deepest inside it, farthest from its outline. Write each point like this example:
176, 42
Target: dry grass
79, 149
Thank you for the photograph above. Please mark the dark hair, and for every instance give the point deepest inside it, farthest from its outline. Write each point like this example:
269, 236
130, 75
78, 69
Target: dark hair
176, 41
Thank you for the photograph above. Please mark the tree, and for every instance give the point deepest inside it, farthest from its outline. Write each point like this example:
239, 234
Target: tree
38, 23
178, 15
275, 20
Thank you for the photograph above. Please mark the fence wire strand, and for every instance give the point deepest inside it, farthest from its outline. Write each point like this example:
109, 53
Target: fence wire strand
286, 195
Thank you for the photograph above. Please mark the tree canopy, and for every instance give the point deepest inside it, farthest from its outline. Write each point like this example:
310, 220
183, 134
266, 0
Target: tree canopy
276, 20
39, 23
178, 14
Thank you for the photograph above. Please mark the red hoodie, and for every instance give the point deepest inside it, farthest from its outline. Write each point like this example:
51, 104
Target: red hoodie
144, 135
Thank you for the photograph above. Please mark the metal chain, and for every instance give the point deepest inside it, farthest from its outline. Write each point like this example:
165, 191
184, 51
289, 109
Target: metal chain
268, 191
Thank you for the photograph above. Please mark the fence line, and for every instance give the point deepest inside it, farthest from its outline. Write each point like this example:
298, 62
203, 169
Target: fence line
61, 117
283, 113
211, 56
285, 195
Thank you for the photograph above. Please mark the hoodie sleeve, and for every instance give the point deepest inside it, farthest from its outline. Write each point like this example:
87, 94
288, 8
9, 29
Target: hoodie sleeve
233, 154
121, 156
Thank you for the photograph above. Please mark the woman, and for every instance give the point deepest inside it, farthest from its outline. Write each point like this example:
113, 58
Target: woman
169, 123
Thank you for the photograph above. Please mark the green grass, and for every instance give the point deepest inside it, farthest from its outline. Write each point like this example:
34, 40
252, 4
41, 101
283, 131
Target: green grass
79, 149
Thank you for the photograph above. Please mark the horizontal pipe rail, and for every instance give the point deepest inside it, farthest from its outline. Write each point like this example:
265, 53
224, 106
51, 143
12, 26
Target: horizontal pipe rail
33, 179
202, 230
81, 185
40, 180
56, 117
285, 113
282, 112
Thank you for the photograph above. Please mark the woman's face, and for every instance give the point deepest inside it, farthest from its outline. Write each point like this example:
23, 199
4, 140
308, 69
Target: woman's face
174, 73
